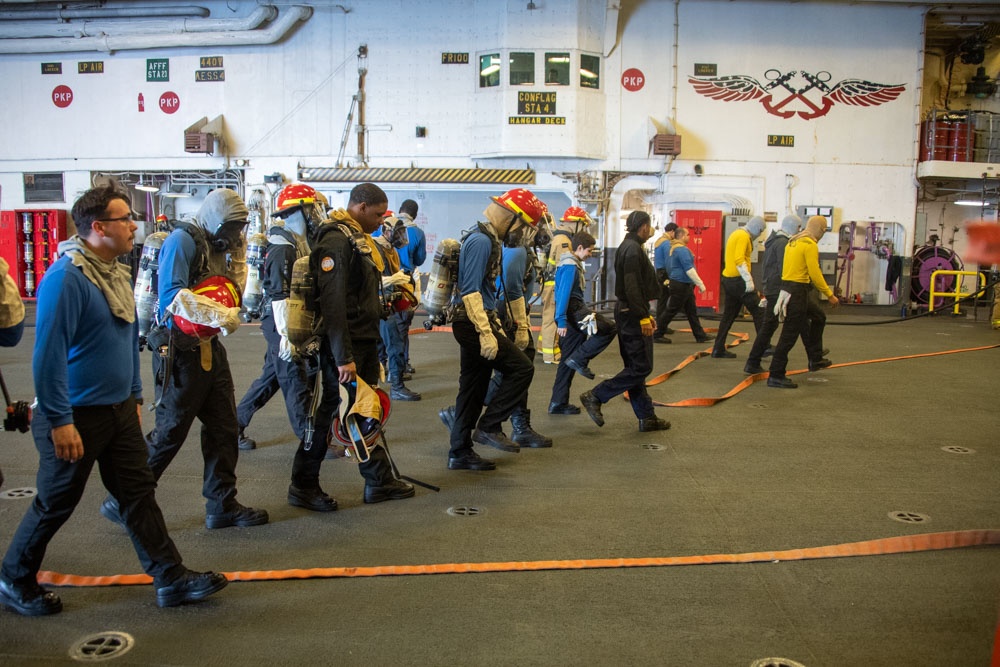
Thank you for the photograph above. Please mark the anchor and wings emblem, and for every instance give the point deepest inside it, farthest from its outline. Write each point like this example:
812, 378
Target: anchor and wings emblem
801, 99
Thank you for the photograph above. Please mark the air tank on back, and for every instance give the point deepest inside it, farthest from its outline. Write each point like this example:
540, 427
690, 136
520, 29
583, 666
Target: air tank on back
253, 293
145, 292
441, 283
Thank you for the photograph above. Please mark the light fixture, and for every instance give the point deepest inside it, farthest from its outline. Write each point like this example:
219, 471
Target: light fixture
242, 162
557, 59
969, 202
587, 74
146, 187
492, 69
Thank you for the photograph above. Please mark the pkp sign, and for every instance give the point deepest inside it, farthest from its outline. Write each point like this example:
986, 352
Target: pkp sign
62, 96
169, 102
633, 79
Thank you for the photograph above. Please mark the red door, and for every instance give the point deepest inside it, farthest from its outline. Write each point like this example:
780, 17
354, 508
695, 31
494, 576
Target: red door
705, 228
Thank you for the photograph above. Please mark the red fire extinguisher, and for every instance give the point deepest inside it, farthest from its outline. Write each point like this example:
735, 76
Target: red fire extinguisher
142, 103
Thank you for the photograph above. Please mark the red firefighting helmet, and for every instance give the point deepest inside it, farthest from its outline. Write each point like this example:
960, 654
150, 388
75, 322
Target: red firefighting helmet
294, 195
353, 430
523, 203
217, 288
575, 214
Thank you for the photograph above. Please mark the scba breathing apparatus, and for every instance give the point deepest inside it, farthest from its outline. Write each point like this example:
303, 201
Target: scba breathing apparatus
440, 295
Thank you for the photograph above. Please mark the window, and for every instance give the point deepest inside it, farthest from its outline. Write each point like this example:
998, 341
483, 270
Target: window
590, 71
522, 69
557, 69
489, 70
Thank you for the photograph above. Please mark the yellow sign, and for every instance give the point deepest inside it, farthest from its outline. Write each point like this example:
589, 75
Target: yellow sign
454, 58
536, 120
210, 75
210, 61
536, 103
90, 67
783, 140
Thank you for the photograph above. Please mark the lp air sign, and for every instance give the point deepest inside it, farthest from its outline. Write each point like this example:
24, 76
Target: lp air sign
633, 79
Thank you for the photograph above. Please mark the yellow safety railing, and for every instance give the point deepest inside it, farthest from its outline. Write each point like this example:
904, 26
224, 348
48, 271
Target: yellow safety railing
958, 293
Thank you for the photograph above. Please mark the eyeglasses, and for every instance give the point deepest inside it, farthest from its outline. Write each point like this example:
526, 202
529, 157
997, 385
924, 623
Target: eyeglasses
124, 218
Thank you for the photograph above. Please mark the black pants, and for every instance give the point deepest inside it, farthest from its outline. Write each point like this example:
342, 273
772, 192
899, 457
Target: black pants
812, 334
637, 353
291, 378
112, 438
681, 300
497, 380
737, 296
575, 345
474, 381
404, 322
305, 468
192, 392
796, 322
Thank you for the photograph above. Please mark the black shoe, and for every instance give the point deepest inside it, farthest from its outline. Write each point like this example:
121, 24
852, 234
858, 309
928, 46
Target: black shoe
109, 510
523, 434
190, 587
725, 354
662, 339
447, 416
243, 517
394, 489
769, 352
410, 369
593, 407
819, 365
471, 461
704, 339
580, 368
401, 393
563, 409
29, 599
312, 499
781, 382
498, 440
669, 331
246, 443
653, 424
753, 370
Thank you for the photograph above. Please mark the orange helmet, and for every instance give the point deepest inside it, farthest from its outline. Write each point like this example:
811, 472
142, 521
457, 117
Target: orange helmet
295, 194
523, 203
575, 214
217, 288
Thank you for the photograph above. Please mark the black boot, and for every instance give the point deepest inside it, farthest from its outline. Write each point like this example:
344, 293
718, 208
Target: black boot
523, 434
246, 443
447, 416
399, 392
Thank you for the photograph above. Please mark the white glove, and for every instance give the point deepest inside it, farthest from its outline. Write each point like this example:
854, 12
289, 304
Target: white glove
398, 278
231, 322
488, 346
523, 335
199, 309
781, 305
763, 303
588, 324
696, 279
279, 309
747, 278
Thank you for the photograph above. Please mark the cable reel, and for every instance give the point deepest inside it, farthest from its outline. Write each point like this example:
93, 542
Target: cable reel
926, 260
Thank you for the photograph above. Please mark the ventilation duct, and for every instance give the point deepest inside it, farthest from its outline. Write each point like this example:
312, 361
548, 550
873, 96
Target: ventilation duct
286, 21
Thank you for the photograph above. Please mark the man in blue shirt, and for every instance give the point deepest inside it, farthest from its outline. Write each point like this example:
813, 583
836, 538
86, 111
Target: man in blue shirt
484, 347
411, 257
572, 317
661, 263
88, 411
683, 278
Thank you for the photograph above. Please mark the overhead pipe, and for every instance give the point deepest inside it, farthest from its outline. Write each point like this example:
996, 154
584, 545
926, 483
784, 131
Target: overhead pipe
276, 30
97, 12
34, 29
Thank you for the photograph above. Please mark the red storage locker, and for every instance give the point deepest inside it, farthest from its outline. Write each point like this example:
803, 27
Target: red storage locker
28, 241
705, 228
